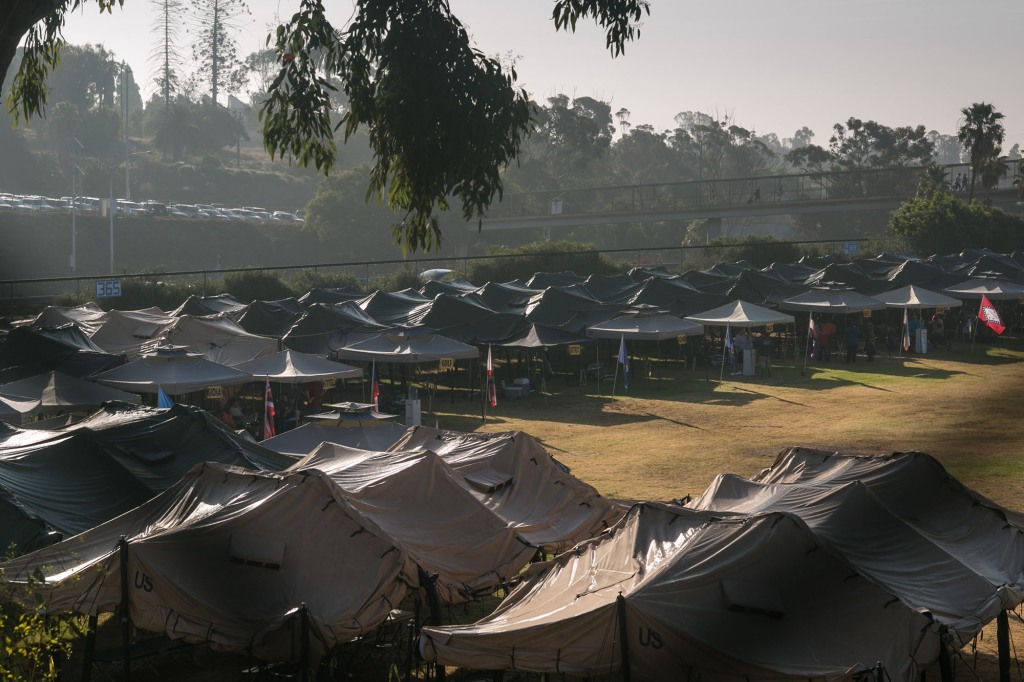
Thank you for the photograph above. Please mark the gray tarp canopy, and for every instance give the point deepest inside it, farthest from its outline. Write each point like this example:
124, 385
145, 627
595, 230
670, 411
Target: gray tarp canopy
174, 370
13, 408
408, 347
293, 367
646, 323
994, 289
840, 301
740, 314
917, 297
56, 391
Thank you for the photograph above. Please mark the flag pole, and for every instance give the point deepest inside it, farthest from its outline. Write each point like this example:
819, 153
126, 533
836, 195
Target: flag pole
725, 345
974, 326
807, 341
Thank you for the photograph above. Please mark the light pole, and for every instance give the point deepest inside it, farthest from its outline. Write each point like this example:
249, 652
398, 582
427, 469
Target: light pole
112, 207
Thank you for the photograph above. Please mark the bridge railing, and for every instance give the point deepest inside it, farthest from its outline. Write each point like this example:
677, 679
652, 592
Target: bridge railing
881, 183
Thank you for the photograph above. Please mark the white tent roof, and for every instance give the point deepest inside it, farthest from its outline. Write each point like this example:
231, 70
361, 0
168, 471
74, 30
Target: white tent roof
409, 347
173, 370
13, 408
917, 297
832, 301
292, 367
647, 325
995, 289
219, 338
740, 314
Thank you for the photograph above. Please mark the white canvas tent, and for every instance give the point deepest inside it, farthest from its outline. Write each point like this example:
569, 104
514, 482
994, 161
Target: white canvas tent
415, 499
521, 482
228, 557
710, 598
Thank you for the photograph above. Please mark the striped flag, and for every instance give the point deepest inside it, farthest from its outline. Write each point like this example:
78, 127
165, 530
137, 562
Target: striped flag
268, 413
988, 314
374, 387
492, 391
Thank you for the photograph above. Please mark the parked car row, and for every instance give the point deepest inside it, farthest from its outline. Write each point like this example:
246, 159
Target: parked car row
39, 204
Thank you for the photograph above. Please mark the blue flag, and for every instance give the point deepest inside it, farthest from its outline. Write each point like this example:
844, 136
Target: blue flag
624, 361
162, 400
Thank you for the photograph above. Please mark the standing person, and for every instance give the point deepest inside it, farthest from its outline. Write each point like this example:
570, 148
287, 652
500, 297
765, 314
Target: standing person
869, 340
852, 341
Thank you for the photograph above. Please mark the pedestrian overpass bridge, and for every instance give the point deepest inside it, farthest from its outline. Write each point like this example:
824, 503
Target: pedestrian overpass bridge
760, 196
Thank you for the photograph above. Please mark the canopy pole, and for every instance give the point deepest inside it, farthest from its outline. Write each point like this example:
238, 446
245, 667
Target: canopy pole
126, 621
725, 345
1003, 640
807, 341
620, 608
304, 643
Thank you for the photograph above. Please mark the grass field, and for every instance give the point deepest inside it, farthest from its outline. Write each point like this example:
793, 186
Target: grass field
672, 433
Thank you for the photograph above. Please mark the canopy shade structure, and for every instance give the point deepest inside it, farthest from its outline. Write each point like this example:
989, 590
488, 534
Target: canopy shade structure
378, 433
916, 297
840, 301
645, 323
994, 289
55, 391
294, 367
408, 347
173, 370
542, 336
740, 314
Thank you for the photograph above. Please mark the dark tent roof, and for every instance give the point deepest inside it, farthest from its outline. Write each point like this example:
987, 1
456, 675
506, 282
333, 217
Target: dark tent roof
540, 336
393, 308
79, 477
209, 305
913, 272
328, 296
507, 297
452, 286
28, 351
612, 288
326, 327
543, 280
270, 318
467, 318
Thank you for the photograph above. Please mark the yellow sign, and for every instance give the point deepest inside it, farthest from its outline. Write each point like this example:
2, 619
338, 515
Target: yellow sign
575, 349
681, 339
867, 313
330, 382
939, 310
769, 327
214, 392
446, 364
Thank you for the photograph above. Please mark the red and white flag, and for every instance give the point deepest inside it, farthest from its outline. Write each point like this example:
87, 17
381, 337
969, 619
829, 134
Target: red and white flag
988, 314
492, 392
268, 413
374, 387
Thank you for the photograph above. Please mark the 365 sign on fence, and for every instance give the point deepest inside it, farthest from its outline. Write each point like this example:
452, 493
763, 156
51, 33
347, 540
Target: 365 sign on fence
108, 288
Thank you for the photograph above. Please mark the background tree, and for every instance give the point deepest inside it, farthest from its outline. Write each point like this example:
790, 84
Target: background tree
934, 178
166, 55
981, 135
942, 223
214, 47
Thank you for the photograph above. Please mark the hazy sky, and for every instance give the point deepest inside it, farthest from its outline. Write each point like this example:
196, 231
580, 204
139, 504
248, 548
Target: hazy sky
773, 66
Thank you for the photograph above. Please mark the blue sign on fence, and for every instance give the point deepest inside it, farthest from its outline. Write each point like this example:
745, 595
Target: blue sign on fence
108, 288
850, 248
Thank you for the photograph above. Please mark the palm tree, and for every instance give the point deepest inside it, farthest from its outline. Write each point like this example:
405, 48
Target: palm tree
981, 134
